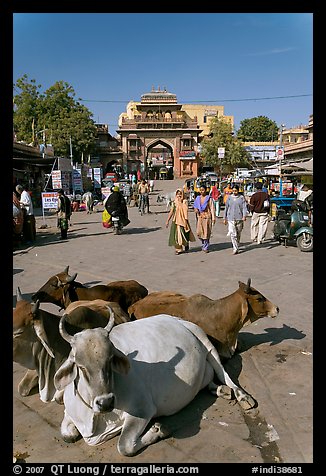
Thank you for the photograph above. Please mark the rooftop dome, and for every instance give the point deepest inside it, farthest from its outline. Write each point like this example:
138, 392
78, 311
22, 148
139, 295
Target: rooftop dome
159, 96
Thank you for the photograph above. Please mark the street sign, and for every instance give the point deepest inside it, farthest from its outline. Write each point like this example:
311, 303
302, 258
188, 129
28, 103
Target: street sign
280, 152
221, 152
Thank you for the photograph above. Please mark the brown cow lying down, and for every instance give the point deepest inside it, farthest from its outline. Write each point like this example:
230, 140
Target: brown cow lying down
38, 346
221, 319
62, 289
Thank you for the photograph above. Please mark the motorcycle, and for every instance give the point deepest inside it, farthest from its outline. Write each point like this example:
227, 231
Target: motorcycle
116, 223
294, 227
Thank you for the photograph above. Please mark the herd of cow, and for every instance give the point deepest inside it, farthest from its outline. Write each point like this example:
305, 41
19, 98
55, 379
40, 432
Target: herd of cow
113, 370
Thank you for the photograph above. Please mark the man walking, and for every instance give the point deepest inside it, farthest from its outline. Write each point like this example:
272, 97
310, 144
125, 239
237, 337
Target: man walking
64, 213
259, 206
29, 226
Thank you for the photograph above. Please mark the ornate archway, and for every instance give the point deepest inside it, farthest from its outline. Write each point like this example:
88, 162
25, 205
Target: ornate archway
159, 154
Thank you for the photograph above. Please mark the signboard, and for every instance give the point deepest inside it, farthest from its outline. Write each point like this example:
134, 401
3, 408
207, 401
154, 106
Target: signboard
210, 112
280, 152
66, 181
221, 152
56, 179
77, 183
64, 164
49, 200
97, 177
187, 154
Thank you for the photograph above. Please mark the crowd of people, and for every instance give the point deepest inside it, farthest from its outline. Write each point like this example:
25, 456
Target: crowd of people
206, 207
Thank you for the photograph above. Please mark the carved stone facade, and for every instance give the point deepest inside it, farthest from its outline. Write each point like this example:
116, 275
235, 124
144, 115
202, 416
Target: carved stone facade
157, 134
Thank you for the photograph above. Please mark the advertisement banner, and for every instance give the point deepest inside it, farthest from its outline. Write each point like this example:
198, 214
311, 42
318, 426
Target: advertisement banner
49, 200
56, 179
77, 182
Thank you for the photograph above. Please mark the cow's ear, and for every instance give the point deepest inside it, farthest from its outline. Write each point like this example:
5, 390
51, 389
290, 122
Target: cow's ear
120, 363
65, 374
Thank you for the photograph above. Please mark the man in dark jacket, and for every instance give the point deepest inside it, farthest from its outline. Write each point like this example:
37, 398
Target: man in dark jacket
259, 206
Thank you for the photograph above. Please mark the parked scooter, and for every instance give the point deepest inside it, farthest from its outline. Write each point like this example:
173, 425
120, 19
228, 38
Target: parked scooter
294, 227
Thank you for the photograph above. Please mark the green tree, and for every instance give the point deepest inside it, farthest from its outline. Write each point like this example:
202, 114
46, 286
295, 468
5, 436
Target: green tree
59, 113
221, 136
66, 118
26, 109
258, 129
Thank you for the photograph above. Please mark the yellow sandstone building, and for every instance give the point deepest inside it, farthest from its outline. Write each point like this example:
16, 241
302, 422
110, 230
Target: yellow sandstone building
160, 135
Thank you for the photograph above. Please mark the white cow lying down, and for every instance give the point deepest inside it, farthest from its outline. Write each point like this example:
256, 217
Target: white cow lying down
117, 379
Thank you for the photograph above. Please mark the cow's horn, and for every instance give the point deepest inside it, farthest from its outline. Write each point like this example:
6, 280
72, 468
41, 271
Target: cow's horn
247, 288
66, 270
110, 324
35, 307
19, 295
41, 334
71, 278
67, 337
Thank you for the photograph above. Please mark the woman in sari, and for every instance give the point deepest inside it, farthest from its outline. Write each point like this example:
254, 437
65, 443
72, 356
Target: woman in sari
205, 213
180, 231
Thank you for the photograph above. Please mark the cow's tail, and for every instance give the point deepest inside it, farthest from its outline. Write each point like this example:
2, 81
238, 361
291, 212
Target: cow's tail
212, 354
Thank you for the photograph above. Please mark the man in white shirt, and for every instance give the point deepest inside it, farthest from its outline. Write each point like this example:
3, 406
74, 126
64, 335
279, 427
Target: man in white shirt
29, 227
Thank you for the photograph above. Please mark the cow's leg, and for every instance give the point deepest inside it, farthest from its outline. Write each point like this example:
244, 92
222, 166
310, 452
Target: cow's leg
27, 383
243, 398
131, 441
222, 391
69, 432
58, 397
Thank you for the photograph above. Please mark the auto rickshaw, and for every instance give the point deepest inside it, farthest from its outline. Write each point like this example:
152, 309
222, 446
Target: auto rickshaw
208, 182
163, 172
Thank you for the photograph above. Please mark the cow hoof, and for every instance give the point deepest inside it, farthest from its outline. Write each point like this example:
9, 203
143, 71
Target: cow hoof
23, 392
68, 439
28, 383
247, 402
224, 391
160, 429
70, 433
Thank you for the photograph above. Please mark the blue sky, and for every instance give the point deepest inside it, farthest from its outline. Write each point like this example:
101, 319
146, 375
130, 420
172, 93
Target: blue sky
205, 58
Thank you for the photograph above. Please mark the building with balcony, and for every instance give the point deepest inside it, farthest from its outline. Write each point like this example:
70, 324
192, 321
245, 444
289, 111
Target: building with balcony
298, 142
107, 151
159, 132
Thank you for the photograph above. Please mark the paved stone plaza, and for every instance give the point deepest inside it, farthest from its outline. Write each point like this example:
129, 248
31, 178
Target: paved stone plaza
274, 366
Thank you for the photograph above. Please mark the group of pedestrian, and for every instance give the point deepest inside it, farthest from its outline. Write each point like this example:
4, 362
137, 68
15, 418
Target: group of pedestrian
24, 226
207, 211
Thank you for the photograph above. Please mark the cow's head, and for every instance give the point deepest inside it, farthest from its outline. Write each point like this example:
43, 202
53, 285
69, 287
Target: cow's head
28, 329
52, 290
92, 359
258, 305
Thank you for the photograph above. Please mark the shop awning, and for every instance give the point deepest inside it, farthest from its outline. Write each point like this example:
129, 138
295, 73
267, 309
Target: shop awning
305, 165
186, 136
133, 136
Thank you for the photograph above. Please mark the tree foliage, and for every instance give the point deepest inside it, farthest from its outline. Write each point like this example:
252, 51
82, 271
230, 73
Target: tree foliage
258, 129
221, 136
58, 113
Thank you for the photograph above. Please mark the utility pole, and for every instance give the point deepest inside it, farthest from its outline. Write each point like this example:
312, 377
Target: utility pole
71, 156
